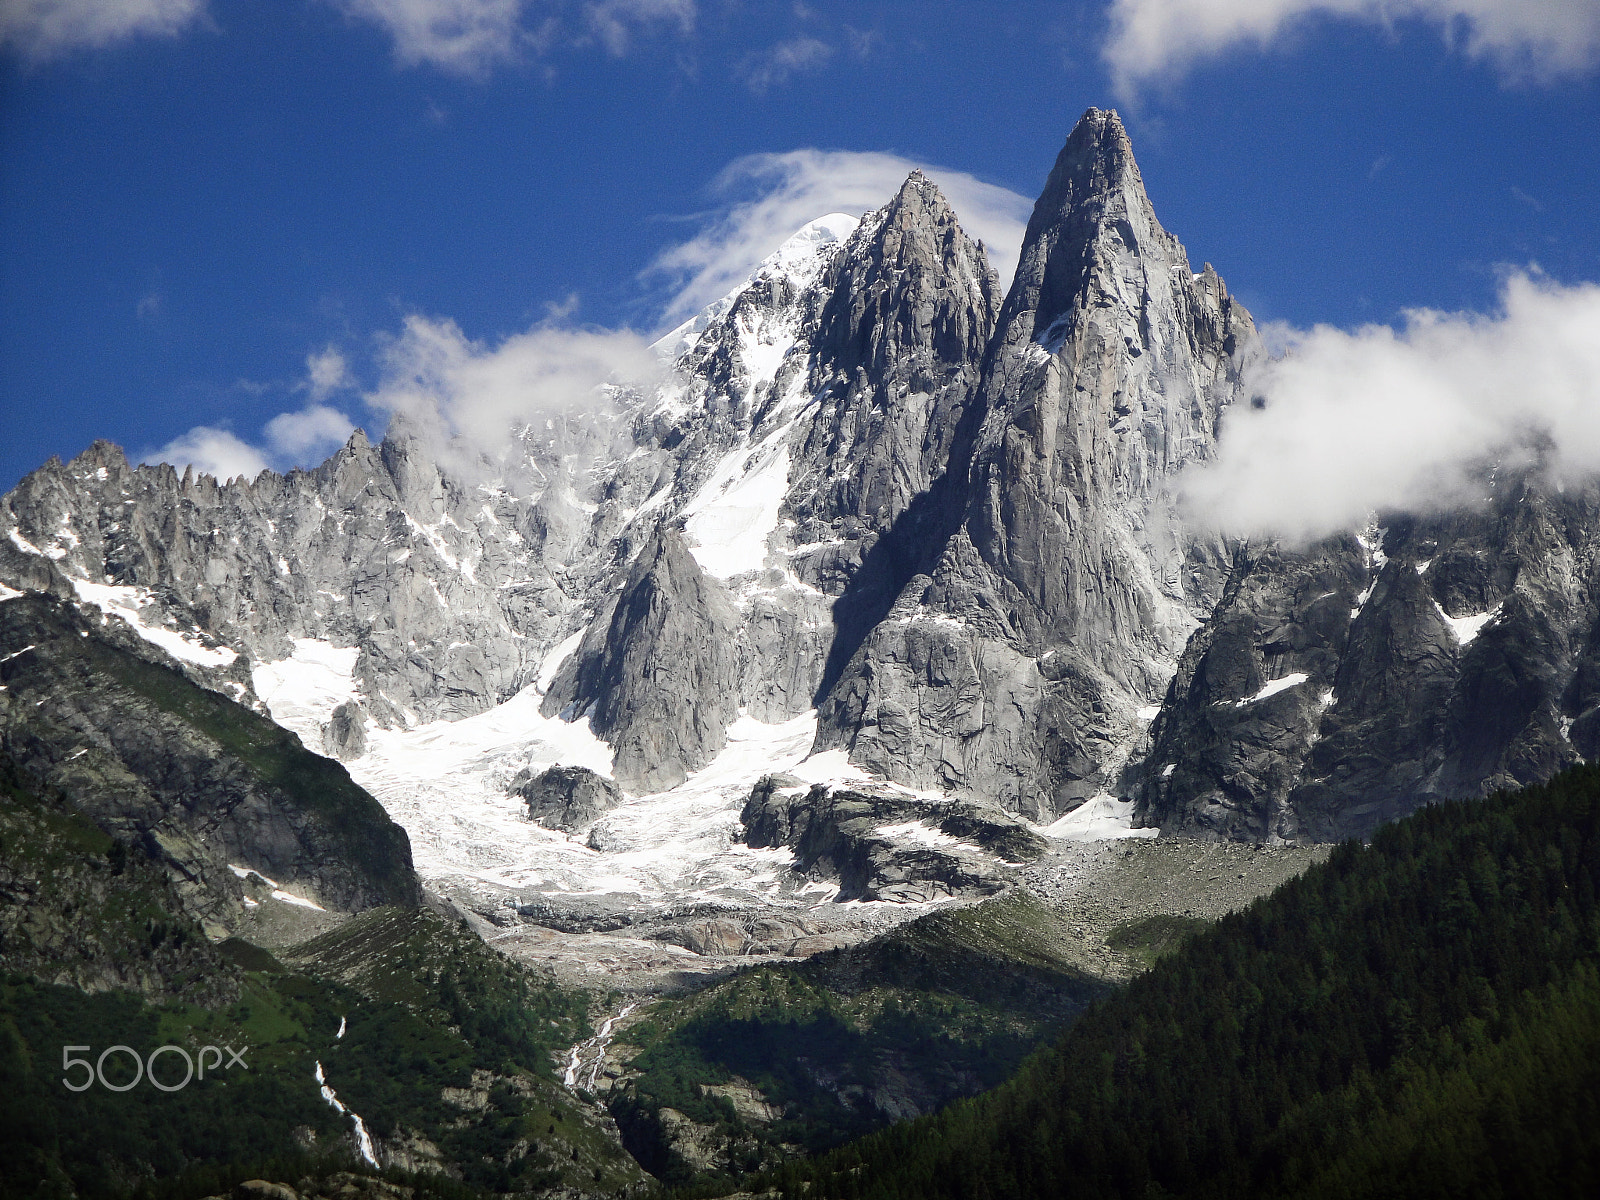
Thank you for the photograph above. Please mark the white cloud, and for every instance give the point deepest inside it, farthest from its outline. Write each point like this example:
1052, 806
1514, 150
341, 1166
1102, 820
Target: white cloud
793, 188
614, 22
466, 397
1526, 40
211, 451
465, 37
326, 373
1384, 419
307, 437
796, 56
302, 438
43, 29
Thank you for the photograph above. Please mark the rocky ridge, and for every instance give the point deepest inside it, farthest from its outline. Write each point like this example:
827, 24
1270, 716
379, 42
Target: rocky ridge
875, 487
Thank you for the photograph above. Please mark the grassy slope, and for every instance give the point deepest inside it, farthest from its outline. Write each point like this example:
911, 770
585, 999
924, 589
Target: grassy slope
942, 1007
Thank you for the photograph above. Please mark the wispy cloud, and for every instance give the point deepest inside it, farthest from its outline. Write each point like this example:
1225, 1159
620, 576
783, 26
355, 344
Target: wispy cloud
1525, 40
1409, 419
466, 398
615, 23
45, 29
211, 450
777, 65
766, 197
463, 37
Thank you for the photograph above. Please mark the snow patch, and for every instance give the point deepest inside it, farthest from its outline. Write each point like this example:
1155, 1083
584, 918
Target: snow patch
1465, 629
277, 891
732, 515
9, 593
128, 603
302, 691
1101, 818
551, 666
1273, 687
797, 259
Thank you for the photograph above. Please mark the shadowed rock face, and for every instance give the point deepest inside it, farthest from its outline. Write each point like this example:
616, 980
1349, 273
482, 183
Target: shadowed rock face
1442, 657
565, 798
859, 836
1011, 665
197, 783
659, 677
911, 305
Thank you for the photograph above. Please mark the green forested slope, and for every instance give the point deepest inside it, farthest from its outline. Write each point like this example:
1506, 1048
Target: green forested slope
1419, 1017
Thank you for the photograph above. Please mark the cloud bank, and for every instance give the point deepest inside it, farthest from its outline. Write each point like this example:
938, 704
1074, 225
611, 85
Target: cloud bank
1409, 419
1524, 40
466, 398
781, 192
45, 29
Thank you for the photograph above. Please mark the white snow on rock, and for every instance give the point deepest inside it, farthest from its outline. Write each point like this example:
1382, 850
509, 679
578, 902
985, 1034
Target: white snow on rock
446, 784
1273, 687
1100, 818
799, 259
7, 593
302, 691
731, 517
551, 665
1467, 628
277, 891
127, 603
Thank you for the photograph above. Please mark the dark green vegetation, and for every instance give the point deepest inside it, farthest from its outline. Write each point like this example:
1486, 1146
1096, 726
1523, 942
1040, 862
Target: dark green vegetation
805, 1056
1416, 1018
1151, 938
456, 1065
448, 1048
77, 907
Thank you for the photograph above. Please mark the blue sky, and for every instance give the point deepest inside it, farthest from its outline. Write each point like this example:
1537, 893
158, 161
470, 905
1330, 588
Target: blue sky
218, 213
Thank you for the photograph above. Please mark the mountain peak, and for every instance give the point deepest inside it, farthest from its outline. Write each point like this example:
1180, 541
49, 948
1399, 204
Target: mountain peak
1094, 194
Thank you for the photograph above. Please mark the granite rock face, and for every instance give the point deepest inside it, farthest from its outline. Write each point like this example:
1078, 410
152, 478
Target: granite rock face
659, 679
566, 798
882, 845
1342, 686
345, 735
1012, 664
943, 518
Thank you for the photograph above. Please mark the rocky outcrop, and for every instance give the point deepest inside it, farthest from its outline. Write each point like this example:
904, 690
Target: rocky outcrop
565, 798
880, 845
82, 909
1342, 686
198, 783
1012, 665
658, 677
911, 306
345, 735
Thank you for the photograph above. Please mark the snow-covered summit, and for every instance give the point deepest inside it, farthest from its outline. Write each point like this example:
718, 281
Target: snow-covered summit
799, 260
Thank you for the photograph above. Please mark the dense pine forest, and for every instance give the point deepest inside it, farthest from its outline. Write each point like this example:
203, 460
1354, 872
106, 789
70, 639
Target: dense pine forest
1417, 1017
